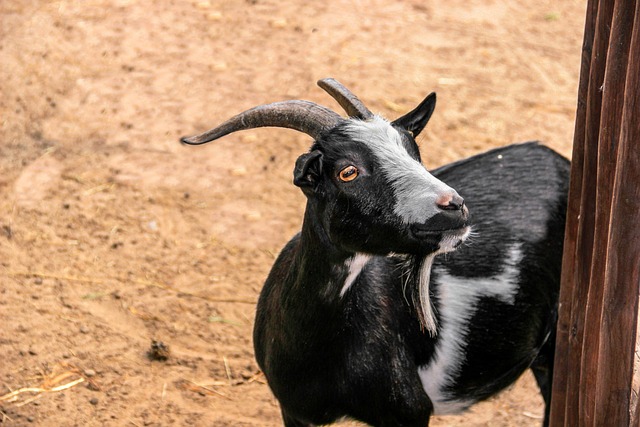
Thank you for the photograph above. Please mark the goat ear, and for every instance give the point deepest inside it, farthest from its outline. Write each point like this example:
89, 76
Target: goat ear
308, 170
415, 120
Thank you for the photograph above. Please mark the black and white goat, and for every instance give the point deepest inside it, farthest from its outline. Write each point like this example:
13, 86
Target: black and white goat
358, 317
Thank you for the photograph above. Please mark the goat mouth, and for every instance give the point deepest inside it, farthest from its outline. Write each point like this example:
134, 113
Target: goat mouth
444, 240
420, 231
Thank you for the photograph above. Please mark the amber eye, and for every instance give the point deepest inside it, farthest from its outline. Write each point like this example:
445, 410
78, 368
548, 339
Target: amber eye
348, 174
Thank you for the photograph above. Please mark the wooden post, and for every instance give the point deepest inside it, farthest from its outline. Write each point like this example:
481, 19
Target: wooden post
598, 313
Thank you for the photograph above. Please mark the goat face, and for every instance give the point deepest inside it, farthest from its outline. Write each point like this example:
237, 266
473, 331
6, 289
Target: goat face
363, 176
370, 192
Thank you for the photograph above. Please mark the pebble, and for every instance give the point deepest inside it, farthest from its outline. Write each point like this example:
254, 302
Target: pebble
92, 386
220, 66
239, 171
253, 216
279, 23
90, 373
84, 329
214, 15
248, 138
94, 400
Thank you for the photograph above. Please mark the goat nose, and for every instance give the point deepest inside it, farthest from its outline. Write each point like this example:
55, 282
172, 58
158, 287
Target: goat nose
452, 202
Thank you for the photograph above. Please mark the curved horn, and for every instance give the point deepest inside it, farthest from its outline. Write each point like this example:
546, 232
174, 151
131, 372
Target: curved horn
347, 100
303, 116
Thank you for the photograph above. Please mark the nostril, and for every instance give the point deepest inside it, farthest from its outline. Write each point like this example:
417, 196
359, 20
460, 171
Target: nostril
452, 203
457, 201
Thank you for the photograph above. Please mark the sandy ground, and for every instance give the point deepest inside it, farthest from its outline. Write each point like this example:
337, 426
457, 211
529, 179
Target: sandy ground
113, 235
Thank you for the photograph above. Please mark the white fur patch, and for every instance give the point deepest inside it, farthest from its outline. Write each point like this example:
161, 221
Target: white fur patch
451, 241
355, 265
448, 244
415, 189
427, 315
458, 303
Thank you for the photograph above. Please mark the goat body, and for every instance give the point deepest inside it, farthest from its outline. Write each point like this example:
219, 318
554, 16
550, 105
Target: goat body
359, 318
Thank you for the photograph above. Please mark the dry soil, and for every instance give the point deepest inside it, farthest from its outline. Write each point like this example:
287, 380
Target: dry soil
112, 235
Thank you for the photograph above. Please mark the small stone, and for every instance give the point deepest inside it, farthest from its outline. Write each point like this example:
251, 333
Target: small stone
248, 138
90, 373
8, 232
30, 419
220, 66
279, 23
239, 171
253, 216
214, 15
92, 386
32, 352
84, 329
158, 351
94, 400
37, 281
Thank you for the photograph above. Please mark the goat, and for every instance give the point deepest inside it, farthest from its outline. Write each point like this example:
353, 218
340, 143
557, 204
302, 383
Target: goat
358, 318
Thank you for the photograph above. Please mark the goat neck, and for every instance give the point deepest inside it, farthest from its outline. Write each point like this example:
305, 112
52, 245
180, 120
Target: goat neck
323, 269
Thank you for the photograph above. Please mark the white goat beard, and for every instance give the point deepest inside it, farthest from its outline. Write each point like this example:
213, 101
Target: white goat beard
426, 313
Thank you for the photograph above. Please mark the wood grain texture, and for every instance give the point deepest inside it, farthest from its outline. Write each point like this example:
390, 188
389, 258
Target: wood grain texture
599, 297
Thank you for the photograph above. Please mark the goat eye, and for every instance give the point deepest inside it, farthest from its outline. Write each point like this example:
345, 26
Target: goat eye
348, 174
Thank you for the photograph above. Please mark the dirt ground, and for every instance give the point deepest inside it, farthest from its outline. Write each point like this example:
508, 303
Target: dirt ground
113, 235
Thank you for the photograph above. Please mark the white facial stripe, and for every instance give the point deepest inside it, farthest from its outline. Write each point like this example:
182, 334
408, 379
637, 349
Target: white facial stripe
415, 189
458, 303
355, 265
